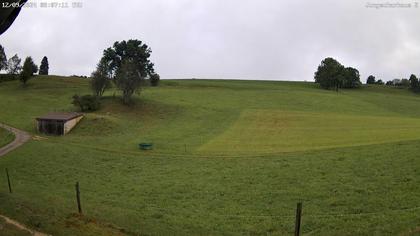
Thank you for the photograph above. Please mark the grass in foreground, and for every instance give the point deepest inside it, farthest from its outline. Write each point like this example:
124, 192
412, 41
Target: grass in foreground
350, 157
5, 137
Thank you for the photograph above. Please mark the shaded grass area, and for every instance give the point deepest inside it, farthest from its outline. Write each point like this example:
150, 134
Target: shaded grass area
345, 191
5, 137
213, 170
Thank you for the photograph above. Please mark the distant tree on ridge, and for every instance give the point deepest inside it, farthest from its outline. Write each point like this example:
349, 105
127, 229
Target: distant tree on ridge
3, 59
28, 70
371, 80
44, 68
13, 65
333, 75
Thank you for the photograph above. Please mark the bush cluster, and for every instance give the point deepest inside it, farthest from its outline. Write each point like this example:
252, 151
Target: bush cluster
86, 102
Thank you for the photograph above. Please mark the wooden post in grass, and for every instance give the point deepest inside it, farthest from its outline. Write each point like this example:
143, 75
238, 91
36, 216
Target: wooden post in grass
8, 181
185, 147
79, 205
298, 218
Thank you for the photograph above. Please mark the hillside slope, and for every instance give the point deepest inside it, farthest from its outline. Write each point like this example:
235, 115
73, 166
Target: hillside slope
230, 157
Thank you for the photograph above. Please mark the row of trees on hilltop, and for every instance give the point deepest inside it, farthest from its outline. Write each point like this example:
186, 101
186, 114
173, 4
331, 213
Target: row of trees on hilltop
331, 74
412, 83
15, 70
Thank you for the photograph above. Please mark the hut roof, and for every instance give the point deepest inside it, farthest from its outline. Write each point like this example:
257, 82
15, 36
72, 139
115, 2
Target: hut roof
63, 116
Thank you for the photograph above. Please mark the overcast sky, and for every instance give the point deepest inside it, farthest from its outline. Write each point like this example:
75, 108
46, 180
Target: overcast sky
230, 39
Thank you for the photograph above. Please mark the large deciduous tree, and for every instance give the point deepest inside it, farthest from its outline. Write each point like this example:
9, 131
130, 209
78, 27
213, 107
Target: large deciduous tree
329, 74
333, 75
44, 68
100, 79
128, 64
3, 59
28, 70
13, 65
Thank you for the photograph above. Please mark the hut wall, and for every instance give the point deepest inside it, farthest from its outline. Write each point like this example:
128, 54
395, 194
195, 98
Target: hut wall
53, 127
71, 123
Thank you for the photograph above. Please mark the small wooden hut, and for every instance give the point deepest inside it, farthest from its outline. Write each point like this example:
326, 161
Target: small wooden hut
58, 123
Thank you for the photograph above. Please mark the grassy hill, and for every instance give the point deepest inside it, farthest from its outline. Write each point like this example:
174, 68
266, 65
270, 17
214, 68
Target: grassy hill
230, 157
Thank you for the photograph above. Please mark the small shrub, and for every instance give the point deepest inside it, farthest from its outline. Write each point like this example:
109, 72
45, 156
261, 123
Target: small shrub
86, 102
154, 79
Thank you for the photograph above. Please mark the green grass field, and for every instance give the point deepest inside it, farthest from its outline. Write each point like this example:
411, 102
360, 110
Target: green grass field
229, 158
5, 137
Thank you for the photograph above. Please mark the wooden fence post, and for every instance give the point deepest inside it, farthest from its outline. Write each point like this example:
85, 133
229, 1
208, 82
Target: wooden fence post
298, 218
79, 205
8, 181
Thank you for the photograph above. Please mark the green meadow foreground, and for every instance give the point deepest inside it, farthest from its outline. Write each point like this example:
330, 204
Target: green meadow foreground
229, 158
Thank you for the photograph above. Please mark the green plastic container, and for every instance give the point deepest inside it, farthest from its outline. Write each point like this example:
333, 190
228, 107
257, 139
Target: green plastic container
146, 146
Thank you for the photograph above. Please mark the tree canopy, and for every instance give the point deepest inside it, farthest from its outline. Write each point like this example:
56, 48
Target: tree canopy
29, 69
127, 63
371, 79
134, 50
351, 78
13, 65
333, 75
128, 80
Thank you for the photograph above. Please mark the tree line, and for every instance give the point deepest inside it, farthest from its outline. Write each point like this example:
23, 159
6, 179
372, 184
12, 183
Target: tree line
15, 70
412, 83
331, 74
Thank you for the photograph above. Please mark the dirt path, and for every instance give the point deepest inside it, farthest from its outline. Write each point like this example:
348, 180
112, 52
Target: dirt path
22, 227
21, 137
